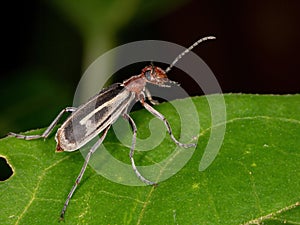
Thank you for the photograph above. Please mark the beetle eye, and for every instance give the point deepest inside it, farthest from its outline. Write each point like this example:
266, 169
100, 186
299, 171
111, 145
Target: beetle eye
148, 75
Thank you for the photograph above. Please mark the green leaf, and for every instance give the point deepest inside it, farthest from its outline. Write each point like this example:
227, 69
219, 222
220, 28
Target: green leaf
254, 178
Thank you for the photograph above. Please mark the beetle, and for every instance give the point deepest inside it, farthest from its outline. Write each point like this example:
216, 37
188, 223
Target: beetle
101, 111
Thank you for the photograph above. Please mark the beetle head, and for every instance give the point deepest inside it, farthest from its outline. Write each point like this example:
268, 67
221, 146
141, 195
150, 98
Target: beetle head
157, 76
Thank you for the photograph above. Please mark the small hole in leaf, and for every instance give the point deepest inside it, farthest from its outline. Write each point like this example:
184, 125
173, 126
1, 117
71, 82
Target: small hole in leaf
6, 170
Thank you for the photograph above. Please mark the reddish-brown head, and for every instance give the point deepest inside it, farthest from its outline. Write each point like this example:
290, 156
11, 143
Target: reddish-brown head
156, 75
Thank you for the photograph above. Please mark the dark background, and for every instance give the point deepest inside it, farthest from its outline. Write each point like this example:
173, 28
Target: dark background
46, 47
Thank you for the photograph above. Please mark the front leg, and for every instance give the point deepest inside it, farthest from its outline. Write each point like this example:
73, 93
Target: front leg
162, 118
149, 97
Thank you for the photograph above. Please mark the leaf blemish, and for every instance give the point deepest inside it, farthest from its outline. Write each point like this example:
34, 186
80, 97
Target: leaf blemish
174, 216
253, 164
196, 185
6, 169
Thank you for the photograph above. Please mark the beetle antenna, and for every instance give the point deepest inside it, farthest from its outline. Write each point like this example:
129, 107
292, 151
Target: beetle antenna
187, 51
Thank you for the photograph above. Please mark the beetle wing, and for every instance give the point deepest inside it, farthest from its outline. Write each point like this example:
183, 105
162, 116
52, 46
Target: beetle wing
93, 117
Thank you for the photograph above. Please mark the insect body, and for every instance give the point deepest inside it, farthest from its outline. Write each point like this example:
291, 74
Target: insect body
93, 117
101, 111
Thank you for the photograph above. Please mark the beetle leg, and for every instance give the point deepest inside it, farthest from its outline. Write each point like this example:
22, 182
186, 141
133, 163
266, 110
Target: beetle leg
86, 161
47, 131
148, 94
131, 153
162, 118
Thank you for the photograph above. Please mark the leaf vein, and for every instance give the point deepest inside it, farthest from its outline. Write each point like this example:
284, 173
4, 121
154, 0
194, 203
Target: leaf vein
272, 215
35, 190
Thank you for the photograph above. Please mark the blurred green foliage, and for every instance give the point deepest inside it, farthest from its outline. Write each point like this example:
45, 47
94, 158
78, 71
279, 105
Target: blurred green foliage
53, 42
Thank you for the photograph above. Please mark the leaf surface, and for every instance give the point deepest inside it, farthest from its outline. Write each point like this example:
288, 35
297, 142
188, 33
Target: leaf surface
254, 178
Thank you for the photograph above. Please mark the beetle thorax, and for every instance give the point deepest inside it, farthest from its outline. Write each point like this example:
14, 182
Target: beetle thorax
135, 84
